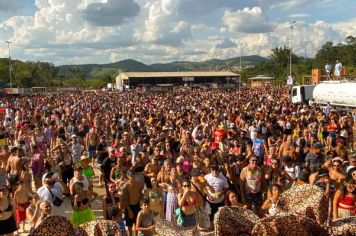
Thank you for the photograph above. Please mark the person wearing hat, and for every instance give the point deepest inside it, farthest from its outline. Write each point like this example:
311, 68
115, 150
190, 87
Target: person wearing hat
322, 180
290, 168
220, 185
303, 177
87, 170
314, 157
53, 187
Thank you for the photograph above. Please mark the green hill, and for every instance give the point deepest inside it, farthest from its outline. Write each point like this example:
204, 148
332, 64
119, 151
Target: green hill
99, 70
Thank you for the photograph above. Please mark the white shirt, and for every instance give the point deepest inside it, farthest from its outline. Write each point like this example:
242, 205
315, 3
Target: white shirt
292, 171
218, 183
84, 181
45, 194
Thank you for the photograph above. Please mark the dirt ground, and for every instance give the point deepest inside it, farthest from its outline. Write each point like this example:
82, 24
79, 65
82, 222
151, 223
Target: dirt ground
67, 208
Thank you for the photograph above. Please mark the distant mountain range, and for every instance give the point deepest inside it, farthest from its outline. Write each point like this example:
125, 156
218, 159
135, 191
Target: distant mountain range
98, 70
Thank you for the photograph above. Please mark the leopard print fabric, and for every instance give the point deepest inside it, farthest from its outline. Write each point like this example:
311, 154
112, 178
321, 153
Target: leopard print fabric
305, 200
345, 226
234, 221
166, 228
101, 228
54, 225
288, 224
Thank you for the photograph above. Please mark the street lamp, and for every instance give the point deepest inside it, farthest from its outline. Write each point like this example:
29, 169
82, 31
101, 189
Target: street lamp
8, 46
291, 47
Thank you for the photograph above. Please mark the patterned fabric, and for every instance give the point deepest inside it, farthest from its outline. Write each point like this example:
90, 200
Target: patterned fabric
288, 224
234, 221
345, 226
80, 232
305, 200
54, 225
166, 228
101, 228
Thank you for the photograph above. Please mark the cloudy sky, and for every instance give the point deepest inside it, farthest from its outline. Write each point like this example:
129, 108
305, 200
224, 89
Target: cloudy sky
104, 31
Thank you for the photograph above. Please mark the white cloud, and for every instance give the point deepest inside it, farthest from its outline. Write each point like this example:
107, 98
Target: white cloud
299, 15
164, 30
247, 20
225, 43
290, 4
162, 26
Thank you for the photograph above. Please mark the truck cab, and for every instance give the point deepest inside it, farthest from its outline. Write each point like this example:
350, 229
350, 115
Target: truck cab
302, 93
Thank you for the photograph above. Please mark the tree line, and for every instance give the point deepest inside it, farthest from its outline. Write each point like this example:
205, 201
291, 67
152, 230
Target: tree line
44, 74
278, 64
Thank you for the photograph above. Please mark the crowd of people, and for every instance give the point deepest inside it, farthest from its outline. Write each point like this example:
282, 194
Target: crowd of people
177, 156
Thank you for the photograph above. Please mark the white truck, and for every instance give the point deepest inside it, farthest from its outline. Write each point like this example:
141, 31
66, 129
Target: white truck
337, 93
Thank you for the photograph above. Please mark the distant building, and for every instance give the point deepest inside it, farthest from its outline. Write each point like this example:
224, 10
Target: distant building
165, 79
261, 80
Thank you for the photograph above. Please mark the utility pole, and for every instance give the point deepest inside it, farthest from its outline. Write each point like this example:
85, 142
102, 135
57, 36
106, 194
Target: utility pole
291, 47
240, 70
8, 46
305, 50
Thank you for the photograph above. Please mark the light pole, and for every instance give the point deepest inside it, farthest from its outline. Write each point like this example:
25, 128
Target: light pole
305, 50
291, 47
8, 46
240, 70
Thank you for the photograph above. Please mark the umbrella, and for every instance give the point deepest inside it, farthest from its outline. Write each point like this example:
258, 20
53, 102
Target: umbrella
234, 221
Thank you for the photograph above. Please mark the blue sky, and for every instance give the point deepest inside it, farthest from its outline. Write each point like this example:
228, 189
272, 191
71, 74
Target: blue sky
103, 31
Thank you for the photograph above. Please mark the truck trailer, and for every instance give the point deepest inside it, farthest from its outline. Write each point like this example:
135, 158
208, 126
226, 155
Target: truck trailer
337, 93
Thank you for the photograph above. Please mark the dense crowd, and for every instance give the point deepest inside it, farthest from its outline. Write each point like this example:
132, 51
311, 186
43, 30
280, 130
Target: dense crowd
177, 156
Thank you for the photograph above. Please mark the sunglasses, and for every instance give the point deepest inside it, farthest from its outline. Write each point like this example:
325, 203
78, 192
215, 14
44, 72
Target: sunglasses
186, 186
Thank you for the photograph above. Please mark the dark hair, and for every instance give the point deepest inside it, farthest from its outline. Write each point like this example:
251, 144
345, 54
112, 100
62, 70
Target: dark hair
227, 201
145, 201
78, 184
113, 212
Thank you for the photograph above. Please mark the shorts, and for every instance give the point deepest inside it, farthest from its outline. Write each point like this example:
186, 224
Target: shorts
214, 208
288, 131
14, 180
21, 213
254, 199
91, 151
135, 209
